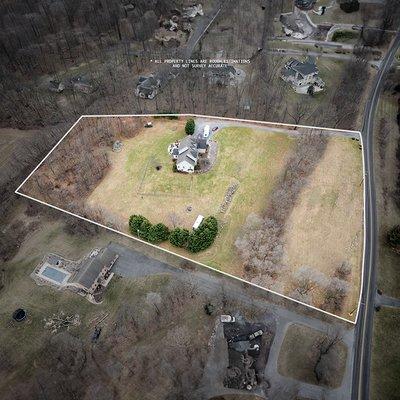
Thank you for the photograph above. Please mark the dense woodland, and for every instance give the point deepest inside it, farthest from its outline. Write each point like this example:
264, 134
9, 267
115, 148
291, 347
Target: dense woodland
110, 43
126, 360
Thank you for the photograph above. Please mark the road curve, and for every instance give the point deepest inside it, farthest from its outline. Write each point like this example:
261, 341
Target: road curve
363, 343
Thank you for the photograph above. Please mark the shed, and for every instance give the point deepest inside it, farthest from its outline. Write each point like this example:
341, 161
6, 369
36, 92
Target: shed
198, 221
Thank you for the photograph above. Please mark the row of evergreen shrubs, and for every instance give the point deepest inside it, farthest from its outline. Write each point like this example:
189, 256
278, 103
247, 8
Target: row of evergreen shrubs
195, 241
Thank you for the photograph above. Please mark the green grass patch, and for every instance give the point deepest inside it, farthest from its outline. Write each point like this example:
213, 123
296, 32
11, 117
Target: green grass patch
344, 36
330, 198
250, 157
385, 376
297, 356
389, 270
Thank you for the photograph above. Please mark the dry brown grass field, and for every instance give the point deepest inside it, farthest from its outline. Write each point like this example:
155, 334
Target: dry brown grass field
325, 227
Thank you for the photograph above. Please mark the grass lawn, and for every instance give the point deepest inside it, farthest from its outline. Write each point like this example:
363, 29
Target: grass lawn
253, 158
345, 36
385, 376
388, 272
385, 367
297, 355
389, 215
335, 15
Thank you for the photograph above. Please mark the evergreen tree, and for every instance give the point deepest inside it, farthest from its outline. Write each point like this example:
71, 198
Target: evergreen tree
190, 126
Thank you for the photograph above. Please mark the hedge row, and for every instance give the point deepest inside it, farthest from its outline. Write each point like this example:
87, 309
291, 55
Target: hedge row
195, 241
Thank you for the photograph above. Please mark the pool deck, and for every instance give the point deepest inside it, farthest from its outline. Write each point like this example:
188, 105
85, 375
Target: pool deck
54, 274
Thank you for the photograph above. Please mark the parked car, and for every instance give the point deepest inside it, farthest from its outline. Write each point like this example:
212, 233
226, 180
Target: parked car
227, 318
148, 125
258, 333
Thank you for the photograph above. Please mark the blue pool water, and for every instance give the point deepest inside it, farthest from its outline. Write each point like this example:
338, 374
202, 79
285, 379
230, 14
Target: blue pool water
54, 274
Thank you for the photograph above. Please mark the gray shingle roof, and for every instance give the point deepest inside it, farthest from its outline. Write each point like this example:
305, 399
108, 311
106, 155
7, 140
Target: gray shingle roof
188, 149
202, 144
304, 68
288, 72
91, 267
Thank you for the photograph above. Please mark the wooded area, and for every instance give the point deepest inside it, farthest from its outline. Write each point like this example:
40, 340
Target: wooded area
80, 161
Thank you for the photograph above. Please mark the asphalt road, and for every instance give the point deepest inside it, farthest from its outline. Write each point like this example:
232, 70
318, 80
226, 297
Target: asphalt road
364, 327
336, 56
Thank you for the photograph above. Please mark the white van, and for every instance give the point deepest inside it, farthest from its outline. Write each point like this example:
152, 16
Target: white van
227, 318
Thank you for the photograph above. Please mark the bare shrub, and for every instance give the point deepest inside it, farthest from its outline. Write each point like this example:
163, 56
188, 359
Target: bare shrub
335, 295
305, 280
343, 271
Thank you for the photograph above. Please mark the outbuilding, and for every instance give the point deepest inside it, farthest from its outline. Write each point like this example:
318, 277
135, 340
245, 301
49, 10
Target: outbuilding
198, 221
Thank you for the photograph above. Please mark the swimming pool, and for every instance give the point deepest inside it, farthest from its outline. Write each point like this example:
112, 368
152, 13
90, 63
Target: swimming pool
55, 275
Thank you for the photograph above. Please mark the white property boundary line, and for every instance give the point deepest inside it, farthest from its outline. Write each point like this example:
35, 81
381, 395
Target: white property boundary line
17, 191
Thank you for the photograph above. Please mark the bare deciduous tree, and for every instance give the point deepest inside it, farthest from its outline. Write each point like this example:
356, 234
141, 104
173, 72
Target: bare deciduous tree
335, 295
305, 280
327, 360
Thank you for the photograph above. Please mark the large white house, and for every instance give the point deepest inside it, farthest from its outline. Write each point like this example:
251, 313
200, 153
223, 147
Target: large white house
303, 76
186, 152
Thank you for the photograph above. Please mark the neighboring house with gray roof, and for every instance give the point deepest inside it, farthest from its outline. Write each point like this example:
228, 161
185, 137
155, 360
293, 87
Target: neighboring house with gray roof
147, 87
303, 76
224, 75
94, 270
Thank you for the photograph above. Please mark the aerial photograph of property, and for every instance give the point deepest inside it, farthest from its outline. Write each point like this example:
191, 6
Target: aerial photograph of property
200, 200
